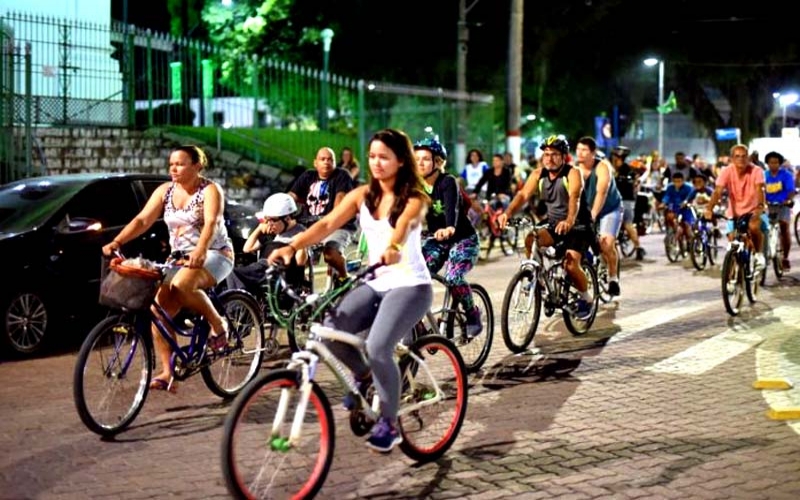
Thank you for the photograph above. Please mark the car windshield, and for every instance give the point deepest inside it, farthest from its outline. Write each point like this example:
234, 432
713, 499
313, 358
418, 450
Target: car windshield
29, 203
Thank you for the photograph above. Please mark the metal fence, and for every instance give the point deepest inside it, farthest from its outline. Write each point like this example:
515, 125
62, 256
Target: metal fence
89, 74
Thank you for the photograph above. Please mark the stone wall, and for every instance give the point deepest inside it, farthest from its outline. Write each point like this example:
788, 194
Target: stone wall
76, 150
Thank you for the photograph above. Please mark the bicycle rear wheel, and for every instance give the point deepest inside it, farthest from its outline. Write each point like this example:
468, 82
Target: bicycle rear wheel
732, 284
112, 375
474, 350
259, 460
777, 259
230, 371
522, 306
575, 325
429, 426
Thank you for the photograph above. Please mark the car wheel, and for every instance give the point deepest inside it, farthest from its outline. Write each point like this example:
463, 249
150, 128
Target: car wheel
25, 321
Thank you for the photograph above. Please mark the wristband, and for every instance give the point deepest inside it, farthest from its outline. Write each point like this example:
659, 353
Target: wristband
119, 244
396, 246
294, 248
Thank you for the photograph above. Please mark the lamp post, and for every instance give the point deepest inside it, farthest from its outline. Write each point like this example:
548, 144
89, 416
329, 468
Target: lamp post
652, 61
327, 36
786, 100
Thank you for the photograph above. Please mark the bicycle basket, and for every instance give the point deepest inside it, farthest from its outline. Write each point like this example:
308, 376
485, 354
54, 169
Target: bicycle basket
127, 285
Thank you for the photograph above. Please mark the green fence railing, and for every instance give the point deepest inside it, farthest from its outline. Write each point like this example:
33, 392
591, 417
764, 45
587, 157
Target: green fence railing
122, 76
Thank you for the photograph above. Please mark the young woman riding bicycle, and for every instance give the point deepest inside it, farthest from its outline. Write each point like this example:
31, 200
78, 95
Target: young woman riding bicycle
390, 210
454, 243
192, 208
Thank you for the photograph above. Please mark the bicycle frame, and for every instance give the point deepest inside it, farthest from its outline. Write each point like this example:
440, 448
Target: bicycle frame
307, 361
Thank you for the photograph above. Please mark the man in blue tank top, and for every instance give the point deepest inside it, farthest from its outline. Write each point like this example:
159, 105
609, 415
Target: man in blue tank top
605, 204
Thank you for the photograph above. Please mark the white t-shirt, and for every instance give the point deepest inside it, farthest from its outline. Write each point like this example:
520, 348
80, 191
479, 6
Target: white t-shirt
472, 173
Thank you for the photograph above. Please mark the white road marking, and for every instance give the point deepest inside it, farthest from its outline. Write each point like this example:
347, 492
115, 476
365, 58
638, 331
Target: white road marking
773, 360
631, 325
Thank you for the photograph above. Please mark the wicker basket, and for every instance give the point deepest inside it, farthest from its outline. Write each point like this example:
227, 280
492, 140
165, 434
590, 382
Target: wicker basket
128, 287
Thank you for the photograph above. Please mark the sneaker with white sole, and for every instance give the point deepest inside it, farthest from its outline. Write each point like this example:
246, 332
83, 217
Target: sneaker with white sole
474, 325
759, 261
385, 436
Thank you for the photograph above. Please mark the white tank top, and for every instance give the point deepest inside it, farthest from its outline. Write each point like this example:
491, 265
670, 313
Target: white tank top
410, 271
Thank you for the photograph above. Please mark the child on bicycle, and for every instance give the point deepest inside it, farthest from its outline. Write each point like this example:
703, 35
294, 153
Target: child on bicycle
277, 226
453, 242
675, 203
390, 210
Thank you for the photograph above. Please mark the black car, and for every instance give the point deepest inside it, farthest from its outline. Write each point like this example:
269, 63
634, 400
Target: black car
51, 233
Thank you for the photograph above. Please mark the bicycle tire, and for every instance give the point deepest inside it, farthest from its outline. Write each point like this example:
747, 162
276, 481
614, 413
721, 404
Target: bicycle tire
444, 363
249, 445
732, 277
797, 227
601, 270
753, 281
474, 351
239, 364
698, 253
777, 259
574, 325
532, 296
626, 247
127, 347
671, 247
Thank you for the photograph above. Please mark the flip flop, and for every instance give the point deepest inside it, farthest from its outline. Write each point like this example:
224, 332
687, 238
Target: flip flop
159, 384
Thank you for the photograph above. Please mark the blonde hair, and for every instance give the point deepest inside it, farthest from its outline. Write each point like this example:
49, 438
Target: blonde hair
196, 154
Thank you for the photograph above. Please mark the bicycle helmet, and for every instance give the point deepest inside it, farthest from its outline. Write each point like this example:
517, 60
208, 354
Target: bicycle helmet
621, 151
557, 142
278, 205
435, 147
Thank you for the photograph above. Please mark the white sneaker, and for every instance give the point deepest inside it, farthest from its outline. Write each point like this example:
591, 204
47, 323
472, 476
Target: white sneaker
760, 262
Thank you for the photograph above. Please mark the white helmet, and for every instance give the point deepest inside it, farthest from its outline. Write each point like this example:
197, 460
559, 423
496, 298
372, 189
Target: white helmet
278, 205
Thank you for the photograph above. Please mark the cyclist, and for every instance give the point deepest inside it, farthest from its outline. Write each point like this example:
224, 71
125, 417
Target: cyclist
675, 202
454, 243
390, 210
627, 179
779, 185
604, 202
277, 226
560, 186
192, 207
497, 181
700, 196
744, 183
320, 190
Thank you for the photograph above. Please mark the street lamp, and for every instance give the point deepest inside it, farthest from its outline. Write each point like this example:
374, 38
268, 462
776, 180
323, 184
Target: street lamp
786, 100
327, 36
650, 62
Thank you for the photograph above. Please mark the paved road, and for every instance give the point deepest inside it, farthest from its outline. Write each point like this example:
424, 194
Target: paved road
660, 404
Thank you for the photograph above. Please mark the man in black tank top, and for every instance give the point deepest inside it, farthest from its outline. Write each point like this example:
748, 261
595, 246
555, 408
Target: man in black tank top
560, 186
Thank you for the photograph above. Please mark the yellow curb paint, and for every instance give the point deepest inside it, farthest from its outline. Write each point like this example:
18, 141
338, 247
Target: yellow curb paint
784, 413
777, 384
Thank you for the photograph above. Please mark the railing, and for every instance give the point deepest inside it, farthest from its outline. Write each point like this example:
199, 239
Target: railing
119, 75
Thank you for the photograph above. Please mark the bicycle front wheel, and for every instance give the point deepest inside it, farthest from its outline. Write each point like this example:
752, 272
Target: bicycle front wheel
241, 360
112, 375
575, 325
474, 350
433, 401
797, 227
732, 284
522, 306
698, 252
672, 246
259, 458
753, 280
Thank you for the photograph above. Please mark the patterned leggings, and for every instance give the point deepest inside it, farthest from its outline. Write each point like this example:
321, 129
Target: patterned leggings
457, 258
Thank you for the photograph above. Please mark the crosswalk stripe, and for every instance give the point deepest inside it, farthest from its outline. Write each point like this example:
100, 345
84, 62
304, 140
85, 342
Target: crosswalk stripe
635, 323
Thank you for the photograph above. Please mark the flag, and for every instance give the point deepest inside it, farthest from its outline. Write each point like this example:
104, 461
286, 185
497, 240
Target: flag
670, 105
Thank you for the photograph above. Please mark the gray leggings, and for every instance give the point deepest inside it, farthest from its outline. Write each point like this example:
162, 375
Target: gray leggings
389, 316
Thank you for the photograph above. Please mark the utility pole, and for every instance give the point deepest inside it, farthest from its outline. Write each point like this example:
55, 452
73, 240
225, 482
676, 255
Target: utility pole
514, 90
461, 85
